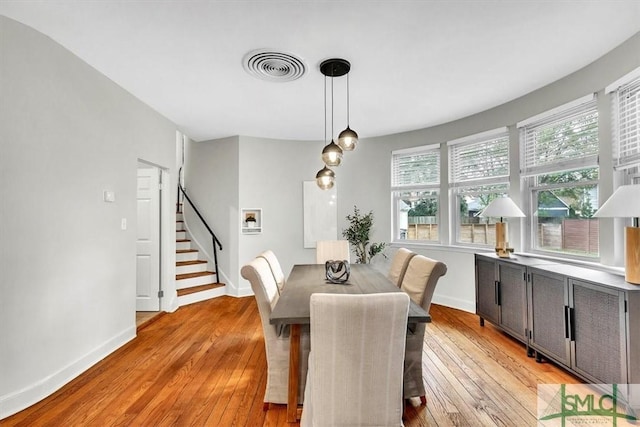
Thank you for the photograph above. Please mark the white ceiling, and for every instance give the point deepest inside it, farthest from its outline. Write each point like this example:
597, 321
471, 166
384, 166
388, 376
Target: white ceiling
414, 63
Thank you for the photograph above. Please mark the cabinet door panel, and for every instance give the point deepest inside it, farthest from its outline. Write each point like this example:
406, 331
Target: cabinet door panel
513, 299
548, 301
486, 304
598, 343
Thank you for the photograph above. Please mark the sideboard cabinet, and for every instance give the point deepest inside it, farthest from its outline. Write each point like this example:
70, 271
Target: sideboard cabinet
501, 292
584, 319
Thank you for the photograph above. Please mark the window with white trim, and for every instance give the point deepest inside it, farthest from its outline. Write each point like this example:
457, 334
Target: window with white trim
560, 171
479, 172
626, 125
415, 187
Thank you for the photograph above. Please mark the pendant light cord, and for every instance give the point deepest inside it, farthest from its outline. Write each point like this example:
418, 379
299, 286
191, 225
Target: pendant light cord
348, 100
332, 106
324, 97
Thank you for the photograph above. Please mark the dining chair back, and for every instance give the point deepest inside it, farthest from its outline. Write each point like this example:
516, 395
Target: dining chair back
356, 362
276, 269
276, 339
420, 279
399, 264
419, 282
332, 250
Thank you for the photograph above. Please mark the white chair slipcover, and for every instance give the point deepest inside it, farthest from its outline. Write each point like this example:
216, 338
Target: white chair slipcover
336, 250
276, 269
419, 282
276, 339
355, 367
399, 265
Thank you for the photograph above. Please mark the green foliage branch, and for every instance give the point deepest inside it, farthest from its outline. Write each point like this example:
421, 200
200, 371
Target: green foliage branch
358, 236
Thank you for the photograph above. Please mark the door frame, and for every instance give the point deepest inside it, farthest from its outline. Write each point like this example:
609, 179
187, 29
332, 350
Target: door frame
168, 302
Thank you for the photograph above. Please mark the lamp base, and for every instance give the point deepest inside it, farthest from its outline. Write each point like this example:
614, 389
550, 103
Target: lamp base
632, 255
504, 252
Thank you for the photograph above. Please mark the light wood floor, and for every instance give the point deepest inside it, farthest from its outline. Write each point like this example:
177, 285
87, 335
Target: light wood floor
204, 365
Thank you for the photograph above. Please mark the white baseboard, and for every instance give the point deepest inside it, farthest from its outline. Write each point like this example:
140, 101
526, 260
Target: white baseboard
17, 401
235, 291
460, 304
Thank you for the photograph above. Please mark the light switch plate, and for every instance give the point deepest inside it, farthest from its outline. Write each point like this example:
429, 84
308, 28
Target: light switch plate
109, 196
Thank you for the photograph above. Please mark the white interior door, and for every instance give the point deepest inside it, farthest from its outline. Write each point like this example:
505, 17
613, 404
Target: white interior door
148, 240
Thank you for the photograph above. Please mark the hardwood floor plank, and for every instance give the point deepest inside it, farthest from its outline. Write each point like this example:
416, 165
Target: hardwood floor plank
205, 365
463, 368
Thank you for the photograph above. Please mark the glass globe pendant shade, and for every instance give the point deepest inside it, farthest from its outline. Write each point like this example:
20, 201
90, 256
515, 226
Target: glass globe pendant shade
348, 139
325, 178
332, 154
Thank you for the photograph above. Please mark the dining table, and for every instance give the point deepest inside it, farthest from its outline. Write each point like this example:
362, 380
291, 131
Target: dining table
292, 308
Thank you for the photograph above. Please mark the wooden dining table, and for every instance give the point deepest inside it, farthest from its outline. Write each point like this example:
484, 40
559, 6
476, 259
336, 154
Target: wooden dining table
293, 309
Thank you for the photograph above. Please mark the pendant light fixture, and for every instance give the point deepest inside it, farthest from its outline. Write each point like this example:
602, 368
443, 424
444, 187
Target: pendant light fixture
325, 178
332, 152
348, 138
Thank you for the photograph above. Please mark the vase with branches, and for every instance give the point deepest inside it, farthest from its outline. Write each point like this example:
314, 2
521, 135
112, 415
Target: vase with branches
358, 236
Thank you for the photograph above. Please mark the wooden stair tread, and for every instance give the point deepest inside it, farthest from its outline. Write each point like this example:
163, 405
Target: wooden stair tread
184, 251
195, 262
192, 275
200, 288
182, 240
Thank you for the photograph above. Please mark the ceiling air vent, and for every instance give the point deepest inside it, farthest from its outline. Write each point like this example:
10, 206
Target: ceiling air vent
274, 66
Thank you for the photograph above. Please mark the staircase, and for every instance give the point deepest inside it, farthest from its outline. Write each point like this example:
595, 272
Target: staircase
194, 281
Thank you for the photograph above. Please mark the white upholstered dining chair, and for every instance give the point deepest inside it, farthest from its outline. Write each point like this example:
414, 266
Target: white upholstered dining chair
356, 362
399, 264
276, 339
276, 269
332, 250
419, 282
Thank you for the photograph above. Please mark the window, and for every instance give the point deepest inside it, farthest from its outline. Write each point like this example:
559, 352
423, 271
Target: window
560, 170
479, 173
415, 190
626, 125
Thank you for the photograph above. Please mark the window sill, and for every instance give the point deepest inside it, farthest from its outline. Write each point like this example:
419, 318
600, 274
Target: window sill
417, 245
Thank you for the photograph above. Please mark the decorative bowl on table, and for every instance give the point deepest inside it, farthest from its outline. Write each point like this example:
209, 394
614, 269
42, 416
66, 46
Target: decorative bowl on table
337, 271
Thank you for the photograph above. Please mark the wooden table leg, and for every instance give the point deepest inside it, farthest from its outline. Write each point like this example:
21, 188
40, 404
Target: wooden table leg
294, 369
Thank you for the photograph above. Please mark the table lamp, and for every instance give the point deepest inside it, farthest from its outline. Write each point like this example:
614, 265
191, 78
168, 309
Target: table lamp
502, 207
625, 203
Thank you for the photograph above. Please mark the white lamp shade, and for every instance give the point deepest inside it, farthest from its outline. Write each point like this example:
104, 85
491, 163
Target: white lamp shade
623, 203
502, 207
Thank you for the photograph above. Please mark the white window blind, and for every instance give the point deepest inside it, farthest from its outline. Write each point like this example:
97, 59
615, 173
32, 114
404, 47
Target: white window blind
626, 125
484, 161
562, 141
416, 168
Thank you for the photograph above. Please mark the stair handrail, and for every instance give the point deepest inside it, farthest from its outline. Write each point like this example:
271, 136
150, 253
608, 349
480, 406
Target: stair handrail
214, 238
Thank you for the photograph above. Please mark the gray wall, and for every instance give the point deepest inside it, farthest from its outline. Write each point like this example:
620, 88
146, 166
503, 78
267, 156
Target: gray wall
273, 181
67, 133
212, 182
224, 176
271, 176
